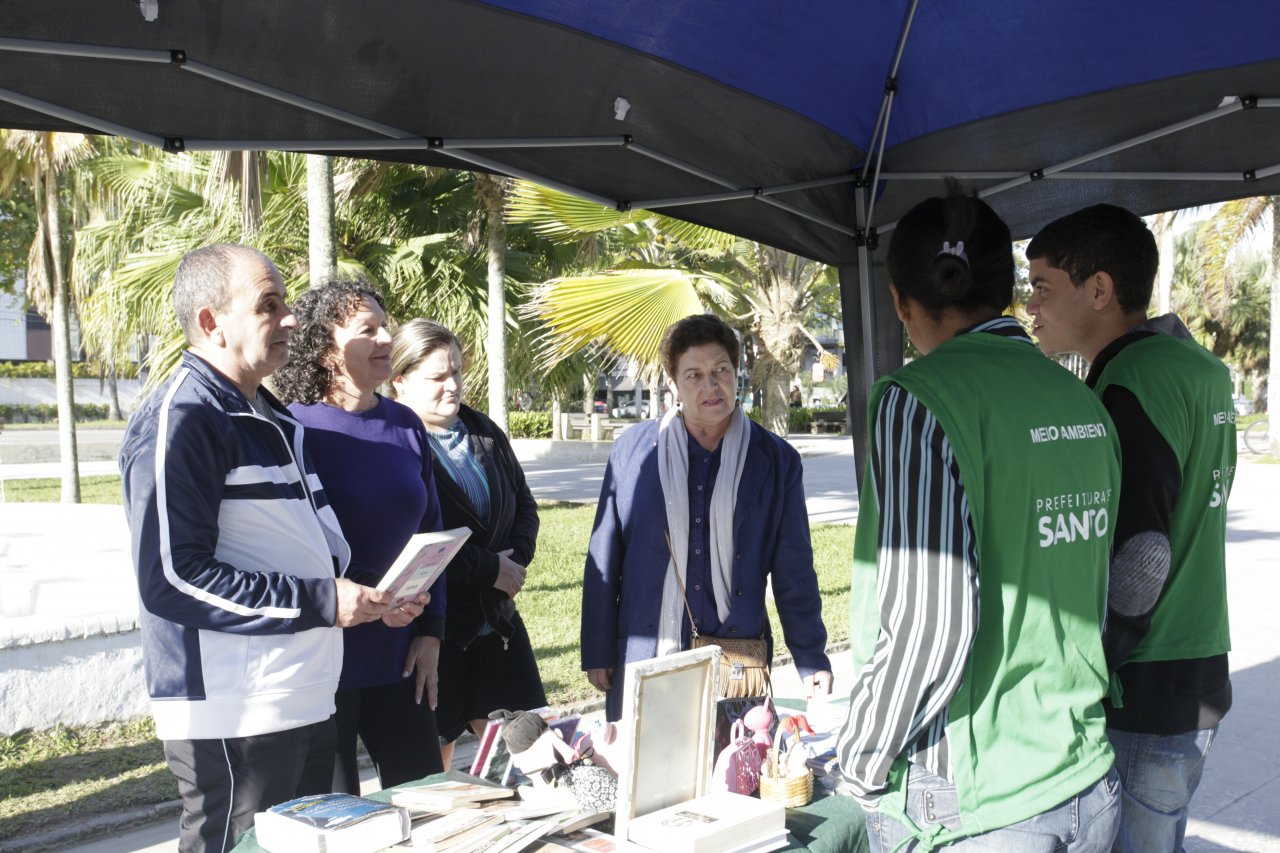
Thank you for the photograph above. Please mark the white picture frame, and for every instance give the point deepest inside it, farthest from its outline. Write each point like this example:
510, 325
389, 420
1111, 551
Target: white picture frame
667, 726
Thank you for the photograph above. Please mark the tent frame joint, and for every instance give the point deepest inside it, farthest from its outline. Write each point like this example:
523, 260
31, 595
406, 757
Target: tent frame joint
175, 144
1248, 102
1036, 174
178, 57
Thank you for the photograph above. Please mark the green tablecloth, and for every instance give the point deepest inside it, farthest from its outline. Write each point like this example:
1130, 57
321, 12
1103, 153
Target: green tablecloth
829, 824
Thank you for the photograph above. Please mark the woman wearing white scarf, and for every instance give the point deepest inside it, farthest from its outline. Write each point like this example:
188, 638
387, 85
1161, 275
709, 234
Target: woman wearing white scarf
633, 604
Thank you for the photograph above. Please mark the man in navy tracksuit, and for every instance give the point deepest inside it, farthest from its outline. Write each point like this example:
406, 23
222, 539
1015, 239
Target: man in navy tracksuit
239, 560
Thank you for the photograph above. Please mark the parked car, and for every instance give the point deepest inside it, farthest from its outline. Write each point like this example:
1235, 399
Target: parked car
628, 410
600, 407
1244, 406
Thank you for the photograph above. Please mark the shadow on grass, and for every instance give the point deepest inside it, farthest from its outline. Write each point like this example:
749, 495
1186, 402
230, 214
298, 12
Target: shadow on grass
61, 803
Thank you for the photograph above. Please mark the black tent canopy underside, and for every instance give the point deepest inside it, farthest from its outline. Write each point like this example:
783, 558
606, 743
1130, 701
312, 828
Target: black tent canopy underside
458, 70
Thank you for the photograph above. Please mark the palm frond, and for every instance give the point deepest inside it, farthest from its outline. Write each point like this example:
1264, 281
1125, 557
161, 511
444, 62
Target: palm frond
626, 311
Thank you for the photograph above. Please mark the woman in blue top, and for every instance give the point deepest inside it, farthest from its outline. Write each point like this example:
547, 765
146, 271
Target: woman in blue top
729, 497
372, 455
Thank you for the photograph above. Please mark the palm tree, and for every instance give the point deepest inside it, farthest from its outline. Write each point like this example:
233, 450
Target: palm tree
45, 156
404, 228
1224, 230
664, 269
491, 190
323, 261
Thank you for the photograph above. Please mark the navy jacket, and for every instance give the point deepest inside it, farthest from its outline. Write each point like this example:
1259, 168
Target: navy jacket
627, 559
236, 550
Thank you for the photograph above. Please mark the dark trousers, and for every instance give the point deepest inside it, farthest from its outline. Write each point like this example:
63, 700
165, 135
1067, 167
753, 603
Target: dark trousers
223, 782
399, 734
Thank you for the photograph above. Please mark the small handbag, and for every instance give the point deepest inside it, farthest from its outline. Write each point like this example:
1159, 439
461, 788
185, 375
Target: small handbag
744, 661
737, 768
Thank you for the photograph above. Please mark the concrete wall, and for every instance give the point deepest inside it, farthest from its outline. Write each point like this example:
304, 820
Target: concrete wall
70, 651
77, 682
33, 391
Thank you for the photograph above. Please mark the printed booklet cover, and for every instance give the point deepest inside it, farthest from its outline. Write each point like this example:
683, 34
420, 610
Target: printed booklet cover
334, 823
423, 559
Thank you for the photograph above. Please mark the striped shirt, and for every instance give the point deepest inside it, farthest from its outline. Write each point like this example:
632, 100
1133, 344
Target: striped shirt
927, 590
452, 447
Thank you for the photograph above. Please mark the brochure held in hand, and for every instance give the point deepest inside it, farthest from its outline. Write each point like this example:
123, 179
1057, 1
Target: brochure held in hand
423, 559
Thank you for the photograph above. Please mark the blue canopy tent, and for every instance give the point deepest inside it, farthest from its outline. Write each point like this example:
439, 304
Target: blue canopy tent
808, 126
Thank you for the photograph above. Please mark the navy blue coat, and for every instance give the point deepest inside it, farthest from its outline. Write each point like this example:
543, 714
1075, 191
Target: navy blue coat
627, 559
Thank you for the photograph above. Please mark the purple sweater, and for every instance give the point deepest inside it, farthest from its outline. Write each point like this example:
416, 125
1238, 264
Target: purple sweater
376, 471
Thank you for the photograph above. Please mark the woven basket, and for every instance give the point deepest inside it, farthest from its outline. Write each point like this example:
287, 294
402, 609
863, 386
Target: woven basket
791, 791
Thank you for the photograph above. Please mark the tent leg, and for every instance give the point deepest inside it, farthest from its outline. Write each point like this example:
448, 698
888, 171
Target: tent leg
856, 365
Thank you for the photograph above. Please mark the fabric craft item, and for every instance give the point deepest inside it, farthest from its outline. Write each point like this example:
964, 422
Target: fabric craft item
520, 729
673, 471
737, 768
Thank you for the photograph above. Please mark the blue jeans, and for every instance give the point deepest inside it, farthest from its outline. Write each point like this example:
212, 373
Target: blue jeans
1085, 823
1160, 774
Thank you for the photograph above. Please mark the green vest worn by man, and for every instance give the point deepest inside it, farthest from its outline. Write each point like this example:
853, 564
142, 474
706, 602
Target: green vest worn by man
1186, 393
1039, 464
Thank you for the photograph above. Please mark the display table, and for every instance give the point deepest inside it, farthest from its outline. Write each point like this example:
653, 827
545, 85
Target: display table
829, 824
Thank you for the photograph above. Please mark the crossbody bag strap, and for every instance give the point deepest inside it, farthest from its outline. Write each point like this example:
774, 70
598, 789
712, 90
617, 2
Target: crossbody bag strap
693, 626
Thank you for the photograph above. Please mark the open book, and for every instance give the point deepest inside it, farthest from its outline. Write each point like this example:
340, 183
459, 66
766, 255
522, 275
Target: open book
422, 561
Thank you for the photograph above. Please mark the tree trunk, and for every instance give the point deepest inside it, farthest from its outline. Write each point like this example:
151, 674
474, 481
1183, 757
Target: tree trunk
1273, 387
1163, 228
556, 433
772, 378
323, 256
114, 411
70, 456
491, 192
588, 393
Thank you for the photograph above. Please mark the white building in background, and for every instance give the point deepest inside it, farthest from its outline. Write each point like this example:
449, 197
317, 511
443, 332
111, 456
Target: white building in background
25, 335
13, 328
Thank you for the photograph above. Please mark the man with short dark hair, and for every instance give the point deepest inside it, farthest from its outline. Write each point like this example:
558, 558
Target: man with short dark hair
1166, 636
239, 560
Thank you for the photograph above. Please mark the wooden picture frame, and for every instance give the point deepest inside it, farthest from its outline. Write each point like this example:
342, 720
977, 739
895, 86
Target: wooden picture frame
667, 724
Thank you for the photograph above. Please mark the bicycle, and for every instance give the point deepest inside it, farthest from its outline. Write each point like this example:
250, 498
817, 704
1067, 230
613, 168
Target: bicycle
1257, 436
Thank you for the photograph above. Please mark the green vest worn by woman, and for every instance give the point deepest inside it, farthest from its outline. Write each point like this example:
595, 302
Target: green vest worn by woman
1186, 393
1039, 464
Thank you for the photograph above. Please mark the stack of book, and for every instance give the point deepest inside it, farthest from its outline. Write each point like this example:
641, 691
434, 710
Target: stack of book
331, 823
713, 823
491, 830
448, 795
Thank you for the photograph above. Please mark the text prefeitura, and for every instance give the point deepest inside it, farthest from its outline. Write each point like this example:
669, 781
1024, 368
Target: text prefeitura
1067, 432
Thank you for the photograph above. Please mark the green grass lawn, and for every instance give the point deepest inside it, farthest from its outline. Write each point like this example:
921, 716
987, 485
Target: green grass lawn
102, 424
47, 778
100, 489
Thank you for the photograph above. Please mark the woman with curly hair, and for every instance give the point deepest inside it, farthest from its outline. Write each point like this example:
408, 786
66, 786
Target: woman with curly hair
373, 457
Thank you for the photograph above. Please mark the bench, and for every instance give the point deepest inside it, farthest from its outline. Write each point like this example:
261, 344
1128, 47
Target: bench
835, 422
592, 427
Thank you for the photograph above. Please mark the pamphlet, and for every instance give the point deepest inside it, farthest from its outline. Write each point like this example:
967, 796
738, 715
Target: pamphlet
422, 560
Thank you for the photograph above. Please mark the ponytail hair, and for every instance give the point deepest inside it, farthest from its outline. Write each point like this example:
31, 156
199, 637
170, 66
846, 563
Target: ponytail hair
952, 252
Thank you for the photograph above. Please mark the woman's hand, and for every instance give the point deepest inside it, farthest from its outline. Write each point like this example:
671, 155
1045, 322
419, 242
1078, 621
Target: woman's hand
406, 610
601, 679
818, 684
424, 660
510, 574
